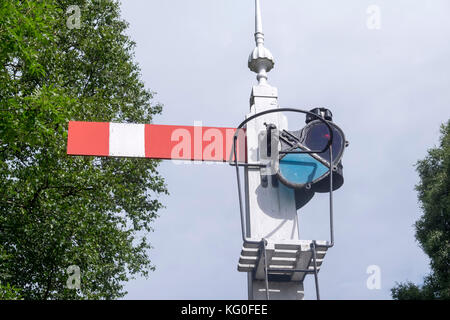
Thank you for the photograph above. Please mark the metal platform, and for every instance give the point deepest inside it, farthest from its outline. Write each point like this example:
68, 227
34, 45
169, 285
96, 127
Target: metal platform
286, 260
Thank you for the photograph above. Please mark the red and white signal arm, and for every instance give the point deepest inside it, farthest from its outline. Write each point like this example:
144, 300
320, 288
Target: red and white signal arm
109, 139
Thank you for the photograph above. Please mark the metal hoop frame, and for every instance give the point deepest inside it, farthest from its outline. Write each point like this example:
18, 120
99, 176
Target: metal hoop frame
263, 242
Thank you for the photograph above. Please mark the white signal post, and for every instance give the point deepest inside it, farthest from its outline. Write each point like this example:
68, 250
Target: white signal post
271, 212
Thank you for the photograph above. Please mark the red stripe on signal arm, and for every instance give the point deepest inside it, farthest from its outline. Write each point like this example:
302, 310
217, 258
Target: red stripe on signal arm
161, 141
192, 143
88, 138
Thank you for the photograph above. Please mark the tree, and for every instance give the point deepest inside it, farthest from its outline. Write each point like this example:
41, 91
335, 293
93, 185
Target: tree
6, 291
433, 228
55, 210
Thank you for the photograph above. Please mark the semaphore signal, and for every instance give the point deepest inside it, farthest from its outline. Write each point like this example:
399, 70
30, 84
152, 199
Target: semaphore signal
283, 169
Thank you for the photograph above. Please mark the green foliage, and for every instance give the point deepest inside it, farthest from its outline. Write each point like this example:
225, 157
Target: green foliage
9, 293
56, 210
407, 291
433, 228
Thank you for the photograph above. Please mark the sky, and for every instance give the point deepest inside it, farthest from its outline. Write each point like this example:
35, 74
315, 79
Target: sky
382, 67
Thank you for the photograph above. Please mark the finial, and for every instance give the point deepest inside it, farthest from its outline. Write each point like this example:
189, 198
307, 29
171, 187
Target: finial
260, 60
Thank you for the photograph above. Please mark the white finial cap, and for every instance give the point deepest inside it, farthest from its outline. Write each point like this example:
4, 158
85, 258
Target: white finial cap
260, 60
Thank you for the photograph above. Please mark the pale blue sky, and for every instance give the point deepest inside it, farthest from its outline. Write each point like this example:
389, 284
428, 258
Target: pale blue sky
388, 90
